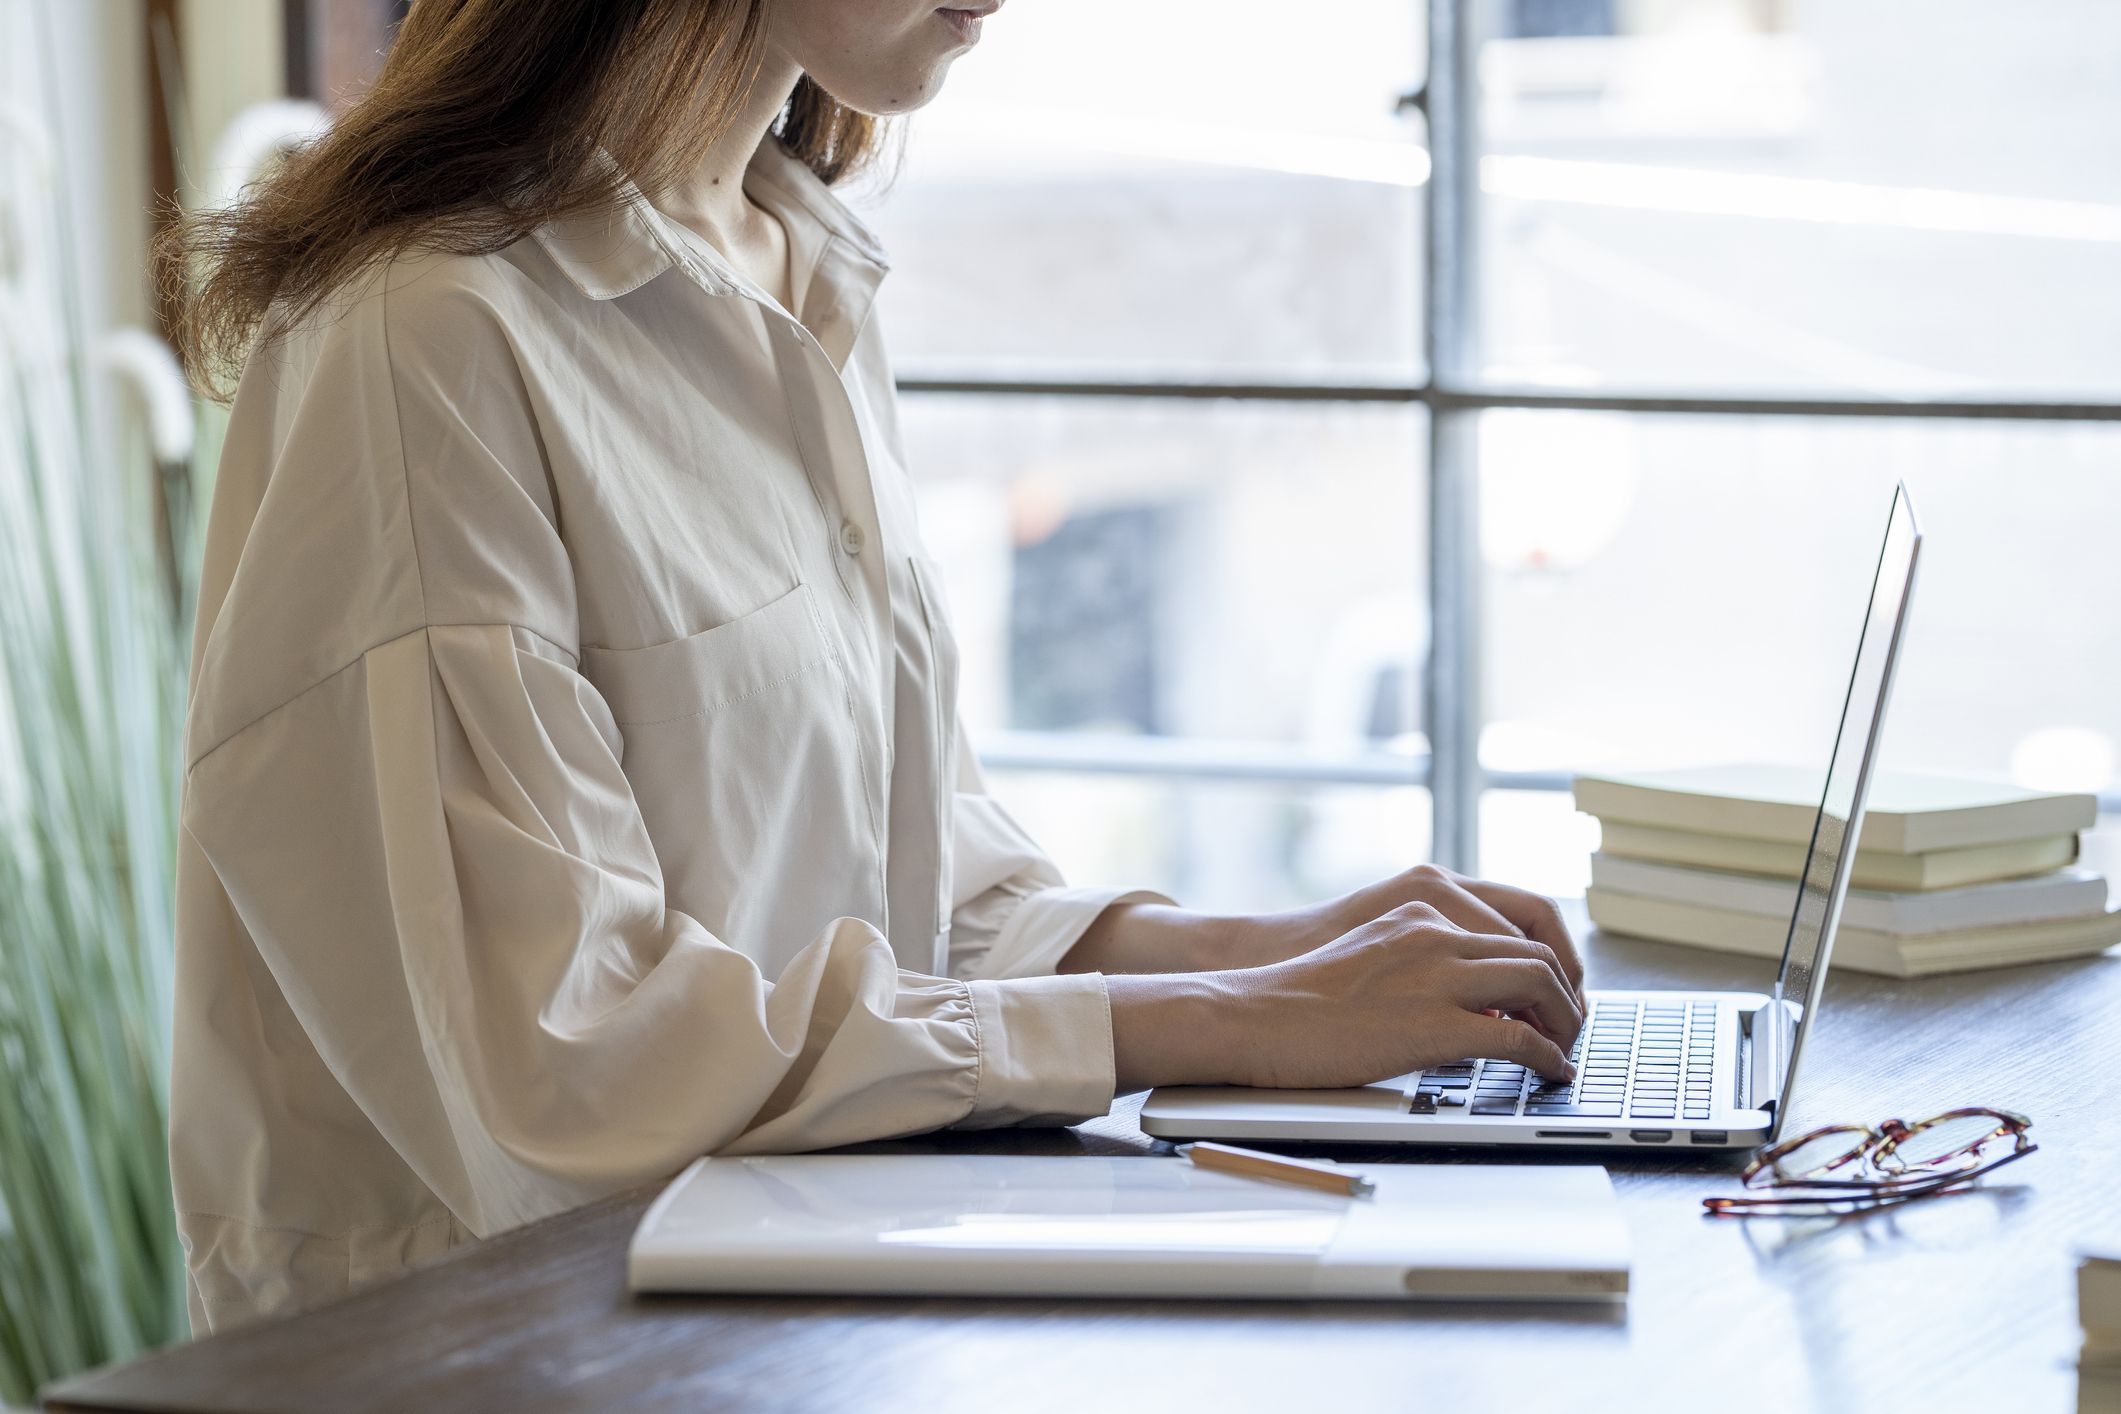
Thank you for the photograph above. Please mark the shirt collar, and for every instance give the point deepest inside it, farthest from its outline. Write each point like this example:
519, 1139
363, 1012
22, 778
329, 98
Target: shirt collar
615, 250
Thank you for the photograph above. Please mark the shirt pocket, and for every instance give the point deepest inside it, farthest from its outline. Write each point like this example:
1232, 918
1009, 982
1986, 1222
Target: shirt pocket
943, 683
740, 745
712, 669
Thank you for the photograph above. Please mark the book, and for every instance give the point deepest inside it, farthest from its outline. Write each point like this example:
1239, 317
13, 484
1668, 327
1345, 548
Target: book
1907, 814
2099, 1292
2099, 1310
1939, 869
1859, 949
2063, 893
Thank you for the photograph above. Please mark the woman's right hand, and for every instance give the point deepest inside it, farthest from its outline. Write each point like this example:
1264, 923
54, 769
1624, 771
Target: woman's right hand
1403, 992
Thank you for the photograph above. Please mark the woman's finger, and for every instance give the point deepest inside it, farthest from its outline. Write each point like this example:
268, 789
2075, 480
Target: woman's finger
1467, 909
1488, 945
1505, 1039
1524, 986
1538, 917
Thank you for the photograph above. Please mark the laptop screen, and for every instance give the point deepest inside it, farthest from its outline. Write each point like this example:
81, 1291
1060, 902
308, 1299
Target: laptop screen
1827, 863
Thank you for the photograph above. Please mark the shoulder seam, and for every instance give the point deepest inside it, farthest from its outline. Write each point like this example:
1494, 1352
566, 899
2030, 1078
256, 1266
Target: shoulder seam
573, 662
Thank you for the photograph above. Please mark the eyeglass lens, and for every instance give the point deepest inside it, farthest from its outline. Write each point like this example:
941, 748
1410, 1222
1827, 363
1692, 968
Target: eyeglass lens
1831, 1152
1947, 1143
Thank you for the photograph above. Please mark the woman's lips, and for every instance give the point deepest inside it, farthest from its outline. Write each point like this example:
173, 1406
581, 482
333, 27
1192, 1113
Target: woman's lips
964, 20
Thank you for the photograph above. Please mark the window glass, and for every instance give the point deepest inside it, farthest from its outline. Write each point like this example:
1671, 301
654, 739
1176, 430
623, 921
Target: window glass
1535, 839
1247, 572
1671, 590
1219, 845
1869, 198
1191, 189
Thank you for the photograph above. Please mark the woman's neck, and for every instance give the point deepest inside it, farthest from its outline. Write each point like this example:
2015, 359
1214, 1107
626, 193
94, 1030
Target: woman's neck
710, 198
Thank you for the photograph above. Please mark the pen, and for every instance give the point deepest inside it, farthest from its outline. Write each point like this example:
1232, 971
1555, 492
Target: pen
1251, 1163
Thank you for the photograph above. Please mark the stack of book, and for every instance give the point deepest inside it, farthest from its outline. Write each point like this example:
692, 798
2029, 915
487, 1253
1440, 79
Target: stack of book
1949, 875
2099, 1314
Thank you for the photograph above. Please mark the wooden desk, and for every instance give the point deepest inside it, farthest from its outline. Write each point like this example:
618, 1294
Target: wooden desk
1961, 1303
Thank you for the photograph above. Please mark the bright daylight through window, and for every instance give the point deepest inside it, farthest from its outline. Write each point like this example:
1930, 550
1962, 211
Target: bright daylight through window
1721, 272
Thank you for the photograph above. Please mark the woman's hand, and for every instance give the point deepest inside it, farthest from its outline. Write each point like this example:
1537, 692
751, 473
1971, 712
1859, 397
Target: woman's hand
1473, 904
1143, 937
1398, 993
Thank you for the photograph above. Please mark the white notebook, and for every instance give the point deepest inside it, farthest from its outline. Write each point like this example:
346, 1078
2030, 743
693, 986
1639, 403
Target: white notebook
996, 1225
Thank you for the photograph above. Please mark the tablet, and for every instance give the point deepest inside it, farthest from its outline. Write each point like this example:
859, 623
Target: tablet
997, 1225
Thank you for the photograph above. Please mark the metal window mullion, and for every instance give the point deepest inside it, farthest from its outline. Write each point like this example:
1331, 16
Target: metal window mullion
1450, 342
1532, 399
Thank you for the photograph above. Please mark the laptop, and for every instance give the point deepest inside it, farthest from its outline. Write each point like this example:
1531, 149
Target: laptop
1712, 1070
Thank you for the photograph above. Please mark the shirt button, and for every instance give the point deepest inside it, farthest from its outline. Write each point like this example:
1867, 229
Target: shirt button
850, 537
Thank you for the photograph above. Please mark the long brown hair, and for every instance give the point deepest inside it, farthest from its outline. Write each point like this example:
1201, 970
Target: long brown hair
482, 125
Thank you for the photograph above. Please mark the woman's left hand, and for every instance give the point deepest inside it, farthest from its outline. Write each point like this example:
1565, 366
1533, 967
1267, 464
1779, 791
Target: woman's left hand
1149, 937
1476, 905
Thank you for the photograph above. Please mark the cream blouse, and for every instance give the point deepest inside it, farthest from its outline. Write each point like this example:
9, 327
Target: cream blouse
574, 783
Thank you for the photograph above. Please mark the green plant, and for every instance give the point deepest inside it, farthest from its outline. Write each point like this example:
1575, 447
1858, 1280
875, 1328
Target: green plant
92, 668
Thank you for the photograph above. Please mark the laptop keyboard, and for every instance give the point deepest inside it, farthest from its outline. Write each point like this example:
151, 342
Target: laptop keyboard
1638, 1060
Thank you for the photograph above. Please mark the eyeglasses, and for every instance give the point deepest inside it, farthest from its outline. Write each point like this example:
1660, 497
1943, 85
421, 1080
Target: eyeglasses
1847, 1168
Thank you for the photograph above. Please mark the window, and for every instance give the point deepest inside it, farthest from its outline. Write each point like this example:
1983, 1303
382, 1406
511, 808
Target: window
1231, 349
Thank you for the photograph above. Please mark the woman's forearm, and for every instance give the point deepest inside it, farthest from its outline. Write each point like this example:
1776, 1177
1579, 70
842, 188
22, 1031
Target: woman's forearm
1155, 937
1138, 937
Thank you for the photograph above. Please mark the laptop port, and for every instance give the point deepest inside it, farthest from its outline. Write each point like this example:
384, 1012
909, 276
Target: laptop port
1650, 1136
1572, 1134
1712, 1136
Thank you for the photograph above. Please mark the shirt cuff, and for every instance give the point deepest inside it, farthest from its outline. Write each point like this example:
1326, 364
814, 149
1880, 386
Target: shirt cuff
1042, 928
1045, 1051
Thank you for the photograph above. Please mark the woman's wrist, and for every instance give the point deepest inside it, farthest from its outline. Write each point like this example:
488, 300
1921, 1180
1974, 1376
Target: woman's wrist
1176, 1029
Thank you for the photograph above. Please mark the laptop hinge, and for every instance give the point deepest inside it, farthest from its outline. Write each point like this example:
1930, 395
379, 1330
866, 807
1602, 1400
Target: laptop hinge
1762, 1062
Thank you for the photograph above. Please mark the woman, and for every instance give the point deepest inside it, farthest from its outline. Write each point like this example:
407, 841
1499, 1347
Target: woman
574, 783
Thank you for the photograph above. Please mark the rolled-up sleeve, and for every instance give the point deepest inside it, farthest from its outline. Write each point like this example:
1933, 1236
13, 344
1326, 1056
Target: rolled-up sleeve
1012, 914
